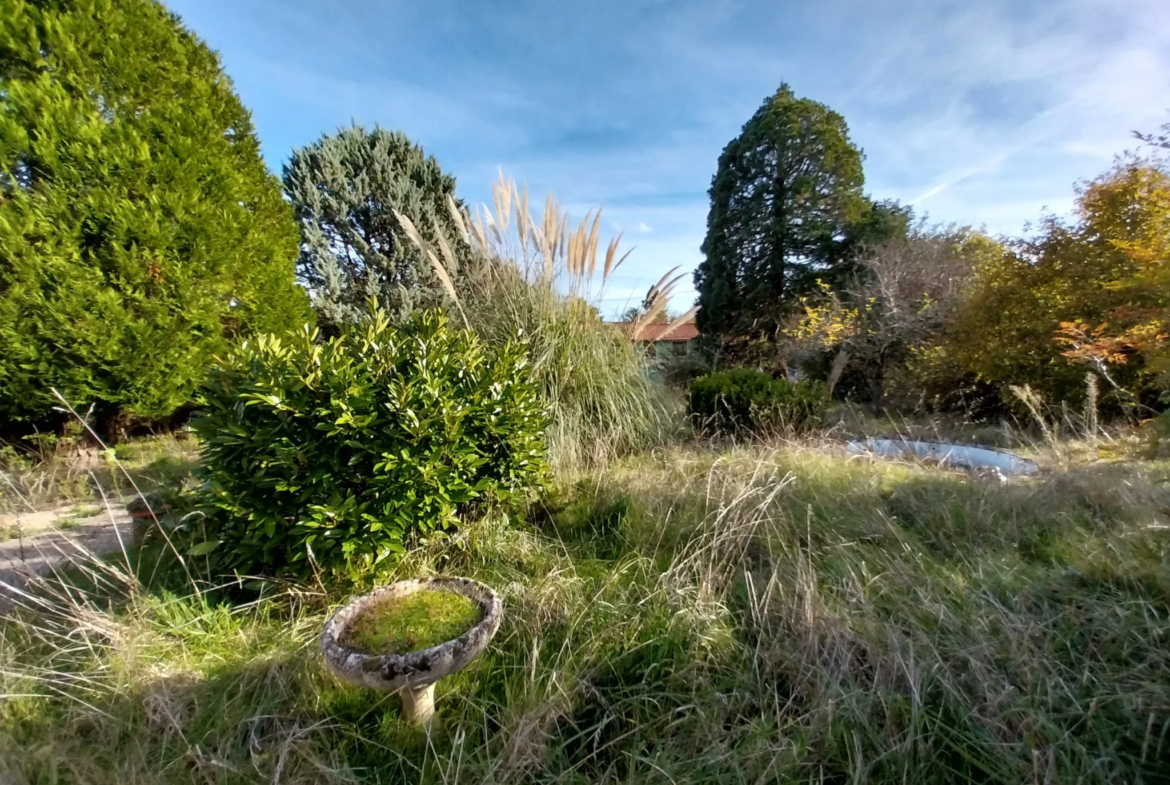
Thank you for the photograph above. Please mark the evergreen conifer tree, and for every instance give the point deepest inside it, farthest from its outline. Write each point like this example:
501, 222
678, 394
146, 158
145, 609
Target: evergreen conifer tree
786, 192
140, 231
345, 188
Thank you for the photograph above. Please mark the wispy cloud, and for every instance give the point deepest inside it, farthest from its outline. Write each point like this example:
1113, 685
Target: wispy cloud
978, 113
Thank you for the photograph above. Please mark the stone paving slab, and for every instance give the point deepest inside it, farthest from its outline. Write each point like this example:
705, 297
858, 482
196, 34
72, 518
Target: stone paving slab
52, 538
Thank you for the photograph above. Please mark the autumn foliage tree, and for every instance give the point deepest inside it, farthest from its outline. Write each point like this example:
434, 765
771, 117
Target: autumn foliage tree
1127, 210
1093, 293
903, 294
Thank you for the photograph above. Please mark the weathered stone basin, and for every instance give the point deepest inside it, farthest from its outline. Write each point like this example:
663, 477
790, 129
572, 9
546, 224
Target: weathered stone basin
412, 674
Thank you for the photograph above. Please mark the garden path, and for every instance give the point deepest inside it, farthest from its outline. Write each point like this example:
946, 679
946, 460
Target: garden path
36, 543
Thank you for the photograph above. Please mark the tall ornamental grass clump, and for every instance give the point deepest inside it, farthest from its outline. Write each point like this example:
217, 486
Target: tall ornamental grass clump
338, 455
749, 401
543, 278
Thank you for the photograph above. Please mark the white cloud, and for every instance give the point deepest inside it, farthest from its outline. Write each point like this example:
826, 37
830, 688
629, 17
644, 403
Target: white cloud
1067, 84
644, 227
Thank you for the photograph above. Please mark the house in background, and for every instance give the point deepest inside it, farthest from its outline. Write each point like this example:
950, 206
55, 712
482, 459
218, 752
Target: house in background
662, 339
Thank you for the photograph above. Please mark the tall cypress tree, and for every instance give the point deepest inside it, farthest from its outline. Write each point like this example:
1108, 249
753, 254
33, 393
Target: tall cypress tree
783, 198
345, 188
140, 231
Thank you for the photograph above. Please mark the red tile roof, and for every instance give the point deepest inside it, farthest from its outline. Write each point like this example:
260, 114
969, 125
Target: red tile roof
653, 331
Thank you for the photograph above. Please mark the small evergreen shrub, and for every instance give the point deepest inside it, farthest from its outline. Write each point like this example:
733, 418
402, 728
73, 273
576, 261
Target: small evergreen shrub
746, 400
343, 453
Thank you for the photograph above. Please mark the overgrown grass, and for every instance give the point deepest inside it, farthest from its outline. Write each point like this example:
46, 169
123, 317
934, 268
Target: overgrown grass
756, 615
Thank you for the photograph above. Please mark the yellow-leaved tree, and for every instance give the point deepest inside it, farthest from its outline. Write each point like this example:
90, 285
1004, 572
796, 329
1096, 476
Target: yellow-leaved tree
1127, 210
904, 293
1094, 292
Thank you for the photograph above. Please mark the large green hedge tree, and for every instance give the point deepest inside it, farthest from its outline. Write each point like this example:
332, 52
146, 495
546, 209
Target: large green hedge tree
345, 188
783, 201
139, 228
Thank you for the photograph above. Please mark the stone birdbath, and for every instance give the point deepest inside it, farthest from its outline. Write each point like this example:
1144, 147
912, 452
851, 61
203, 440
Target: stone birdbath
406, 636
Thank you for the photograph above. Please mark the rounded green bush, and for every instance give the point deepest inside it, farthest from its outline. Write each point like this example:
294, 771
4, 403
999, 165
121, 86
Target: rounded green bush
341, 454
747, 400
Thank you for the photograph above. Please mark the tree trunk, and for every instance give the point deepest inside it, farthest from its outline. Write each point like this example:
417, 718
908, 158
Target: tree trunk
111, 428
835, 372
877, 390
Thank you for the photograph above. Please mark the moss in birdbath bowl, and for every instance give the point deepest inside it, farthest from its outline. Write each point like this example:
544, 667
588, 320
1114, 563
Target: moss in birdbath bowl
396, 625
413, 633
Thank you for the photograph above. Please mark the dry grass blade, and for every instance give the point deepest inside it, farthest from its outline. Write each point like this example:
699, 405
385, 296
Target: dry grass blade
677, 323
480, 235
411, 231
1035, 405
574, 263
502, 196
618, 264
563, 233
442, 273
445, 249
610, 255
657, 300
523, 219
668, 289
421, 244
656, 309
493, 226
550, 234
583, 244
459, 217
662, 281
591, 245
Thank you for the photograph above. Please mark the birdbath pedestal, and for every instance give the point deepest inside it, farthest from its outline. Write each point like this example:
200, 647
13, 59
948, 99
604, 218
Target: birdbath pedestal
412, 674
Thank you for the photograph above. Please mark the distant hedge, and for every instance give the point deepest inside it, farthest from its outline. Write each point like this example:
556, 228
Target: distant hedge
140, 231
748, 401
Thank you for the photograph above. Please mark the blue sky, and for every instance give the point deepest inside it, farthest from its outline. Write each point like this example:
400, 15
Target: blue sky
983, 113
